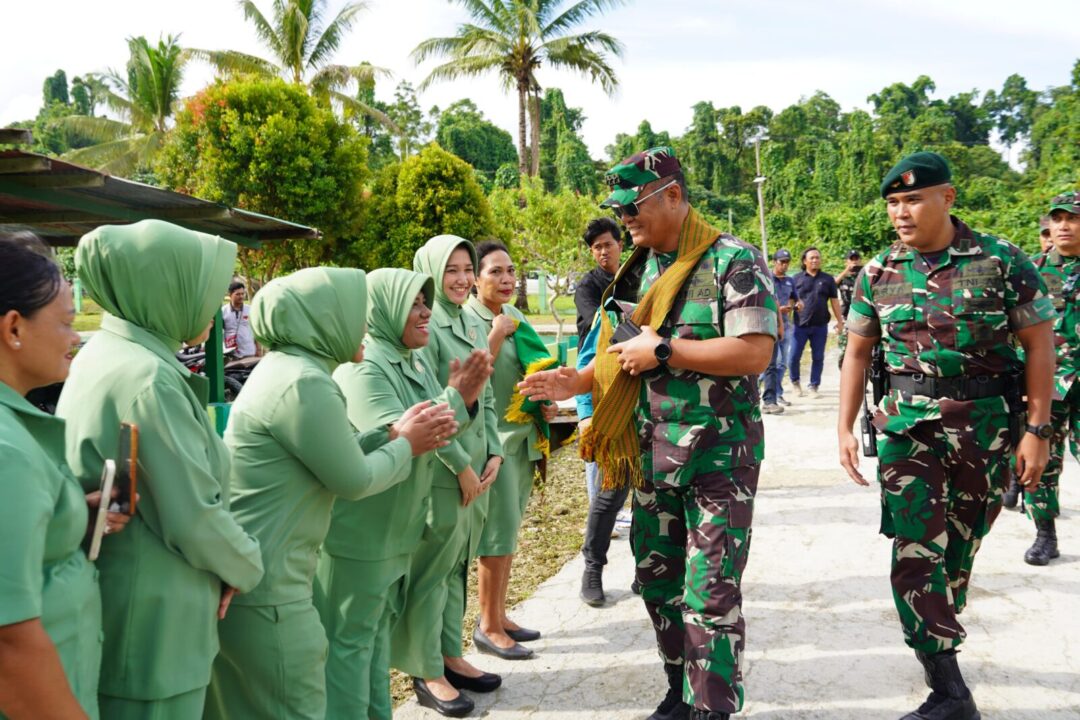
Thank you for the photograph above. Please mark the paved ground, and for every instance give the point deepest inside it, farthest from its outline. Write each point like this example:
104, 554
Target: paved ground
823, 637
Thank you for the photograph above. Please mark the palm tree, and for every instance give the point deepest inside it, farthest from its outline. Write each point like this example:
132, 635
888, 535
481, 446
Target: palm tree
144, 98
302, 44
515, 38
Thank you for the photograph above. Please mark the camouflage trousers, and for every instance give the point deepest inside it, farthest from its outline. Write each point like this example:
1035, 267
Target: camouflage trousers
941, 488
691, 544
1043, 504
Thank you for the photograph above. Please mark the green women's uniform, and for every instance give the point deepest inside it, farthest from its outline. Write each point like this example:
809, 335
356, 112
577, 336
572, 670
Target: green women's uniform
1062, 277
945, 324
519, 441
438, 577
702, 441
294, 452
364, 569
162, 578
43, 570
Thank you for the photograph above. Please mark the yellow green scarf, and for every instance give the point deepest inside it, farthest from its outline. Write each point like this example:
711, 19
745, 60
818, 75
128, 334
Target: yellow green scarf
611, 439
533, 356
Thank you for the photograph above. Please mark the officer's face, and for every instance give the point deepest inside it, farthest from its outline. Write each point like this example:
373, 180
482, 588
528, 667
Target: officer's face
921, 217
1065, 232
656, 226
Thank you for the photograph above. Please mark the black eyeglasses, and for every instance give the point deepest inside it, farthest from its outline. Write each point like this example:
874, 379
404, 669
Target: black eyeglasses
634, 208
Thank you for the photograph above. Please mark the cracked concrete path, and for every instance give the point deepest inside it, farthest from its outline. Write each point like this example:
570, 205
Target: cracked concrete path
823, 638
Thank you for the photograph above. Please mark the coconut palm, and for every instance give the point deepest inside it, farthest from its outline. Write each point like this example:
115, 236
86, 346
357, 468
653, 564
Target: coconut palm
302, 43
515, 38
144, 99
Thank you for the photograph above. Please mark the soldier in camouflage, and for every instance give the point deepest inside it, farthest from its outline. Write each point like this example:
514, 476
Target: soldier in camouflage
1060, 269
944, 303
700, 432
845, 285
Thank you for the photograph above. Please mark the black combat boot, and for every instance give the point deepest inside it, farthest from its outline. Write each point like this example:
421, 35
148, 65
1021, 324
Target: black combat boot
1045, 548
950, 698
1012, 495
697, 714
672, 706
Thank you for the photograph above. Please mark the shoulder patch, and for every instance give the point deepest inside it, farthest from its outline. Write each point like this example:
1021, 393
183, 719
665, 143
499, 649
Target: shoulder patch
742, 278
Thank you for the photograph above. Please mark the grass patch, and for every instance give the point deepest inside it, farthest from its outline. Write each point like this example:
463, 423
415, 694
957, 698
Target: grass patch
550, 536
90, 317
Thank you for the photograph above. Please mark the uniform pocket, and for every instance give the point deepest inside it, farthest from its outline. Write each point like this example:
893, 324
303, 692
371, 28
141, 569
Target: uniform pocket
672, 445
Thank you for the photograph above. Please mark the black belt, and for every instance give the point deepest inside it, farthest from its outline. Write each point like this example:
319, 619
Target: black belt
953, 388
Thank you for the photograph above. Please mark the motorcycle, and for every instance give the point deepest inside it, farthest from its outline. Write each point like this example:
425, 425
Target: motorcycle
237, 370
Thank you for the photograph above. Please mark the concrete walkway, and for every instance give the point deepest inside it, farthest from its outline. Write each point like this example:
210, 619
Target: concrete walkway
823, 637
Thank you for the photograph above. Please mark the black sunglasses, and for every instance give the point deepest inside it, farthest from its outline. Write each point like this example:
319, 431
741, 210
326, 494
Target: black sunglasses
634, 208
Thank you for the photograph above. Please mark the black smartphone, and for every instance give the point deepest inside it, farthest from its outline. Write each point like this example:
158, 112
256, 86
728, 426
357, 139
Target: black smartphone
627, 330
127, 463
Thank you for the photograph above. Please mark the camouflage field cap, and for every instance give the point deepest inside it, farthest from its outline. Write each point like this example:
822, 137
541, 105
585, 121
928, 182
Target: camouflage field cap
627, 178
1069, 202
918, 170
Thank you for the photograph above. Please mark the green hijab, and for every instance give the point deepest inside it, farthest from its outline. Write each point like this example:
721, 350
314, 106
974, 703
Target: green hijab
166, 279
391, 292
322, 310
431, 259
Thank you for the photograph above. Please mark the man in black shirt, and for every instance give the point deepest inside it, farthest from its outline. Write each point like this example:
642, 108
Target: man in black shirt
818, 293
604, 239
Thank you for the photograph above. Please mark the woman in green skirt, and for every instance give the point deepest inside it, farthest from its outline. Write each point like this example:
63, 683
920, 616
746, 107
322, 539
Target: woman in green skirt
168, 576
467, 468
510, 338
364, 569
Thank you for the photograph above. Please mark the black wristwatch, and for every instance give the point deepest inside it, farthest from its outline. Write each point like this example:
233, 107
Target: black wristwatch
663, 351
1043, 432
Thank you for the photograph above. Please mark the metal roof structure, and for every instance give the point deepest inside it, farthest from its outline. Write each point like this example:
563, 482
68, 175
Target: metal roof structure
61, 202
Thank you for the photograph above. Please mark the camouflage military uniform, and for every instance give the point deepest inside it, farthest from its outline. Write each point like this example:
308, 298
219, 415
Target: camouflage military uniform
846, 288
943, 462
1062, 277
702, 442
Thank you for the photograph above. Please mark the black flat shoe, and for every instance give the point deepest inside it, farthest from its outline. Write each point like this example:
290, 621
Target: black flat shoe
488, 682
523, 635
520, 635
514, 652
458, 707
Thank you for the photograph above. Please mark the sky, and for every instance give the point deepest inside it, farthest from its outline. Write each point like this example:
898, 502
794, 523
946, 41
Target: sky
677, 52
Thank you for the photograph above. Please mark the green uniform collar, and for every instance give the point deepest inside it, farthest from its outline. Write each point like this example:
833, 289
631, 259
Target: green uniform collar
48, 429
963, 245
481, 309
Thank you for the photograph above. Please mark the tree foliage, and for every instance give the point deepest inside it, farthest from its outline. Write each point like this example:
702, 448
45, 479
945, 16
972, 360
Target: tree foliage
463, 130
266, 146
543, 231
515, 39
303, 41
431, 193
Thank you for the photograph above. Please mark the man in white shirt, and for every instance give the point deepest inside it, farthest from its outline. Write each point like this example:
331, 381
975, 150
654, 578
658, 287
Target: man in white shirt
235, 317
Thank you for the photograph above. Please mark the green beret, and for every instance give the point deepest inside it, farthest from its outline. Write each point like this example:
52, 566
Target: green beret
918, 170
1069, 202
627, 178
